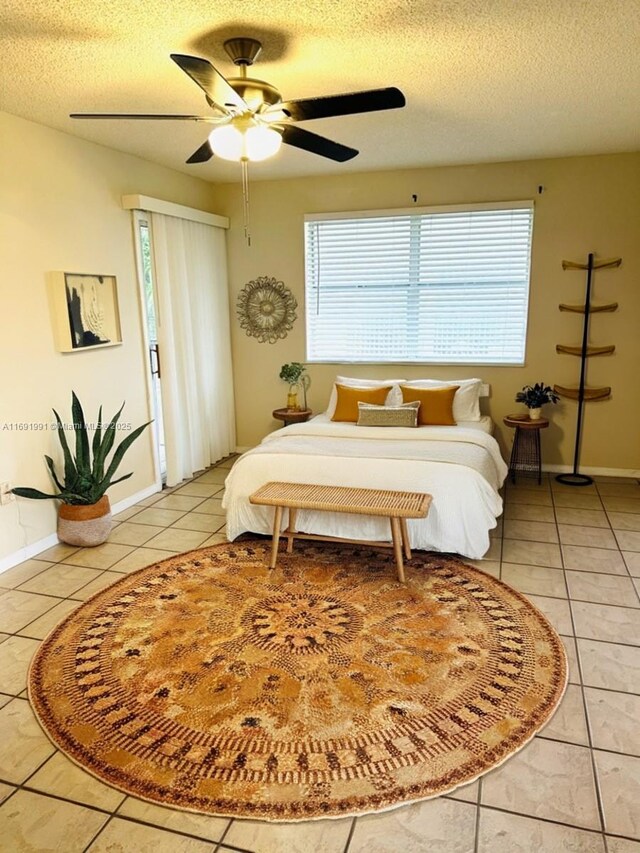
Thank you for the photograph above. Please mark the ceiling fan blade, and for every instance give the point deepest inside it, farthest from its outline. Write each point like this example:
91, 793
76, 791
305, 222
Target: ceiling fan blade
342, 105
203, 154
300, 138
149, 117
212, 83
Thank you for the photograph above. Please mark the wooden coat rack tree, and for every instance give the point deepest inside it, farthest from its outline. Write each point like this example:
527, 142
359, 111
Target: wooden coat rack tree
583, 394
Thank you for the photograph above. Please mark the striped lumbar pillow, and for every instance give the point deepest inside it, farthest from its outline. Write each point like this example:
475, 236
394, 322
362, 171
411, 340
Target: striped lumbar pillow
405, 415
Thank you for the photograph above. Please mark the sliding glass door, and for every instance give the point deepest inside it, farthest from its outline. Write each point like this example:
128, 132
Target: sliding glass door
150, 317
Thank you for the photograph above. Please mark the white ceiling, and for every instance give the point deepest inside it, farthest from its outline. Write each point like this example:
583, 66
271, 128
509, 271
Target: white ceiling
485, 80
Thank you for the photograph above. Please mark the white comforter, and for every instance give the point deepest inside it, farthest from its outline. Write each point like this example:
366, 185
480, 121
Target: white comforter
461, 468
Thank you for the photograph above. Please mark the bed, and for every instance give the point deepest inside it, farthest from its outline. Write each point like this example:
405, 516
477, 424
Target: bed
460, 466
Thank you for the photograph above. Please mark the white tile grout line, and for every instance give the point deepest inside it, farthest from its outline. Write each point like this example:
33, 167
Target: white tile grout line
352, 829
551, 821
98, 833
109, 813
116, 812
478, 801
594, 769
586, 746
223, 836
476, 839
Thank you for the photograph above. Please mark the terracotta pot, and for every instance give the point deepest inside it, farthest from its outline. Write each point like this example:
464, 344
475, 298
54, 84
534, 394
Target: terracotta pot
86, 525
534, 414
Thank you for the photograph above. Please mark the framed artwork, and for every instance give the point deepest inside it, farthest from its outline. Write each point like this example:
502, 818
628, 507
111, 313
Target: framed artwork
85, 311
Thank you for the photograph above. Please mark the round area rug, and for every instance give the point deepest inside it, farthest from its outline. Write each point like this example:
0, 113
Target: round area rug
322, 688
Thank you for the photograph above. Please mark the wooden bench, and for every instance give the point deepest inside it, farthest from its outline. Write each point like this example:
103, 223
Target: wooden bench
394, 505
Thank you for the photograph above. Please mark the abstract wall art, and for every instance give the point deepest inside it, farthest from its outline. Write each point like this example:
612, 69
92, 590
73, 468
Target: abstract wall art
85, 311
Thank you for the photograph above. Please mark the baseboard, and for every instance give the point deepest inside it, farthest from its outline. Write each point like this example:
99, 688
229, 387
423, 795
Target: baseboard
597, 472
41, 545
134, 499
28, 552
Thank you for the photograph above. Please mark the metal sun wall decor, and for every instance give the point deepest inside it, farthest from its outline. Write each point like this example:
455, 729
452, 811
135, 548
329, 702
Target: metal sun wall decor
266, 309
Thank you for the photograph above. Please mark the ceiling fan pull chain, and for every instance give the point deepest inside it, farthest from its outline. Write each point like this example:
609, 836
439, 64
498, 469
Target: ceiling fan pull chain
245, 198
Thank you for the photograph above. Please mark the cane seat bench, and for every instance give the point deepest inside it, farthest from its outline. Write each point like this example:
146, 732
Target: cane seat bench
397, 506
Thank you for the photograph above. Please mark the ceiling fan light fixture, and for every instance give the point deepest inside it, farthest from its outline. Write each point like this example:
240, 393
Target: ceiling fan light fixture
244, 108
262, 142
227, 142
241, 141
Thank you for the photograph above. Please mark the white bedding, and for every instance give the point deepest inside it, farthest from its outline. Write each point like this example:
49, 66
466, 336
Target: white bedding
459, 466
485, 424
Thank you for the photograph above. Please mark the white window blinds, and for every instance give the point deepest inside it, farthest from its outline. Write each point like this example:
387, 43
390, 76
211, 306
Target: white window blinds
443, 285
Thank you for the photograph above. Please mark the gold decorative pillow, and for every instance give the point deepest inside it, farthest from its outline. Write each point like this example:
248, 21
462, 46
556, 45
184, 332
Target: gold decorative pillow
405, 415
436, 404
348, 399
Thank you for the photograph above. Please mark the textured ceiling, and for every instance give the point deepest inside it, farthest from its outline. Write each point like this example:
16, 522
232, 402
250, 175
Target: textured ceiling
485, 80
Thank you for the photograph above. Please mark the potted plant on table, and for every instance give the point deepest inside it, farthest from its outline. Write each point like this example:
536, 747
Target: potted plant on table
296, 375
535, 396
84, 514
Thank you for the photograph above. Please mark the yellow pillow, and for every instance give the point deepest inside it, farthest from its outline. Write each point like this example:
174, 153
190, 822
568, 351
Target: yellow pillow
349, 397
436, 404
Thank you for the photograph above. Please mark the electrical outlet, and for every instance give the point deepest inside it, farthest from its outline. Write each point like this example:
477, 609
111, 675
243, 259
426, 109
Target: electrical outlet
6, 495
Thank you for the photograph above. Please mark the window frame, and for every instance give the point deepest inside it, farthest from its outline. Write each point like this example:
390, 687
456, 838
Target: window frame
310, 218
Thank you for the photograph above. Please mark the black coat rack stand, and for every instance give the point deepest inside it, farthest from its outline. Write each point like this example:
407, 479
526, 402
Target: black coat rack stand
583, 394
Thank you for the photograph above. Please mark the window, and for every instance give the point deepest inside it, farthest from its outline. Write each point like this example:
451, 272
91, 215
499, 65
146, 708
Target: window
436, 285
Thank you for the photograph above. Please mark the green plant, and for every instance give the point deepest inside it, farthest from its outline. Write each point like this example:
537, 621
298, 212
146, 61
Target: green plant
295, 373
292, 373
85, 479
534, 396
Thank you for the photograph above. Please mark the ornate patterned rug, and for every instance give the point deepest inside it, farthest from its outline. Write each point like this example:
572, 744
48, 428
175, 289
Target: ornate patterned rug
322, 688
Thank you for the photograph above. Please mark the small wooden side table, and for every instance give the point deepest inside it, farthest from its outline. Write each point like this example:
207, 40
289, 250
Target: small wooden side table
292, 416
525, 453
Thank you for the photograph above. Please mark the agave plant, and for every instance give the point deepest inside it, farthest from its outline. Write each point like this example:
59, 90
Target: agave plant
85, 479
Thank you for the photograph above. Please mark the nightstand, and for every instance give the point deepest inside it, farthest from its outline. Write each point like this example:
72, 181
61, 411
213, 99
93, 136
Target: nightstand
292, 416
525, 453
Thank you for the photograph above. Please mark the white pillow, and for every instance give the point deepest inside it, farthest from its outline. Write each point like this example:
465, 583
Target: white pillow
466, 403
394, 397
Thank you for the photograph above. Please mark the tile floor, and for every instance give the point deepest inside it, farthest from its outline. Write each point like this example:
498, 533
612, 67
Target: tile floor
576, 787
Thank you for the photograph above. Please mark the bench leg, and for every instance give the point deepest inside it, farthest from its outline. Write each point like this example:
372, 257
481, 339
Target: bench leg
405, 538
291, 529
396, 535
277, 518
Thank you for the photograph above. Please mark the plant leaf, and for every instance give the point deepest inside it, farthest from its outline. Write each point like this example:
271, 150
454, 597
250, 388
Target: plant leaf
122, 449
105, 447
72, 498
120, 479
52, 469
83, 464
70, 472
34, 494
97, 436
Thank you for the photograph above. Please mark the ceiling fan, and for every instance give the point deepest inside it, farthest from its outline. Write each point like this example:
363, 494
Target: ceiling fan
252, 120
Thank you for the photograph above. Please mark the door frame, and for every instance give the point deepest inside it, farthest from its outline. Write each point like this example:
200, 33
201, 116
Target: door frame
141, 217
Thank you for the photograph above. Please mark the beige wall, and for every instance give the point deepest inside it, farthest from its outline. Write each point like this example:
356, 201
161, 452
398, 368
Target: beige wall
588, 204
60, 210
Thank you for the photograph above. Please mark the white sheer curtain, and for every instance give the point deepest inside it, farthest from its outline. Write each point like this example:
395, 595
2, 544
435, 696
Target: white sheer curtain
195, 346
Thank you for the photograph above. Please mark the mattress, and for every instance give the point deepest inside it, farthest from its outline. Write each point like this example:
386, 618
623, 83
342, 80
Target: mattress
460, 466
